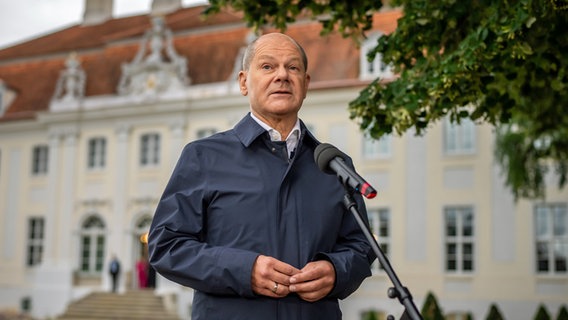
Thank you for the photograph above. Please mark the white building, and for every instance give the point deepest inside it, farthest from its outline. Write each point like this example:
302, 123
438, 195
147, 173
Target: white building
93, 118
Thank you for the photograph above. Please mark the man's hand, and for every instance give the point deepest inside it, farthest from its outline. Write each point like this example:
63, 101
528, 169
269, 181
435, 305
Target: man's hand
315, 281
271, 277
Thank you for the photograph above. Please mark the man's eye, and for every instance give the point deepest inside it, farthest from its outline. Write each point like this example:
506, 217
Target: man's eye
266, 67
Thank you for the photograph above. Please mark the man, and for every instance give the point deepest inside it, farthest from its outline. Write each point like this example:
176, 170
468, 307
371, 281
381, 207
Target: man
114, 270
247, 218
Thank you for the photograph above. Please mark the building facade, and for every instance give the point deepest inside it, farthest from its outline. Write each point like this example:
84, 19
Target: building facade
94, 116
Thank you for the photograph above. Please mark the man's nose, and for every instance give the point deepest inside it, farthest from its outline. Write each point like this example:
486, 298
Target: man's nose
282, 73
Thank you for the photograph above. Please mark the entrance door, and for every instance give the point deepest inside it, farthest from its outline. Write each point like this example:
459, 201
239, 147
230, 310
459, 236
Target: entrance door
143, 275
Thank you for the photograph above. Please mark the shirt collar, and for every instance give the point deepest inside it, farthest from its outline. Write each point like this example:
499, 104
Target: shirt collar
248, 130
291, 139
274, 134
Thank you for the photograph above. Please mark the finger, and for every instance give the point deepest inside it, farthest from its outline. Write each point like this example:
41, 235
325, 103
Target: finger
313, 290
278, 271
267, 272
284, 268
312, 271
273, 290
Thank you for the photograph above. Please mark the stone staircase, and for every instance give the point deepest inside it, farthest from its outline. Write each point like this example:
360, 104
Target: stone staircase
132, 305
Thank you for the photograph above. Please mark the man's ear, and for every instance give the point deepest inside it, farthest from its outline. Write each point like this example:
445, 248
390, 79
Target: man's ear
307, 84
243, 83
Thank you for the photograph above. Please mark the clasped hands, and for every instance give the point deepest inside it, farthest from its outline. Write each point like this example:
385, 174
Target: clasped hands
274, 278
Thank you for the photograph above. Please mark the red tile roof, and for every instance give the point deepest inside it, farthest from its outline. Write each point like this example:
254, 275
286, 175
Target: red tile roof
210, 47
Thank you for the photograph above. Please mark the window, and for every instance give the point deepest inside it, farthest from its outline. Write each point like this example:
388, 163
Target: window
206, 132
373, 69
377, 149
459, 138
459, 235
96, 153
39, 160
92, 246
551, 233
150, 149
379, 221
35, 241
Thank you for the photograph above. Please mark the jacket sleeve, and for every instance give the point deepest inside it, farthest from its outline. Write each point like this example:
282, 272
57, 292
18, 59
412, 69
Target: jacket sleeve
177, 239
351, 256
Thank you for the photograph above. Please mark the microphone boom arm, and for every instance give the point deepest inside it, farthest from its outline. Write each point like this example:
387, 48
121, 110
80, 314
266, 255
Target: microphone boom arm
398, 291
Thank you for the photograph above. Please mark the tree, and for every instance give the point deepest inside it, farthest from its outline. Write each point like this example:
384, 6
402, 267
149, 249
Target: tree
370, 315
500, 62
562, 314
430, 309
494, 313
542, 313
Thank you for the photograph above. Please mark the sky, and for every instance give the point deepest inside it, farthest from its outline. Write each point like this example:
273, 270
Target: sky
22, 20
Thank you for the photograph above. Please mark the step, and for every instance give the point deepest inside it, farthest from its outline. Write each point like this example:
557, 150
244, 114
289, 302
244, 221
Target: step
132, 305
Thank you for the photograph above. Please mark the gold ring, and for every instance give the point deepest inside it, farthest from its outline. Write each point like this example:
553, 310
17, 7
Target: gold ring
275, 288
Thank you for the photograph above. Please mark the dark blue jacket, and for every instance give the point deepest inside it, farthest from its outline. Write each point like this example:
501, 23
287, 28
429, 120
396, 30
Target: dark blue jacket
236, 195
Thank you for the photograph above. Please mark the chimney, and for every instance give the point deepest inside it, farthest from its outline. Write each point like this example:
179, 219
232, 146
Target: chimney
97, 11
162, 7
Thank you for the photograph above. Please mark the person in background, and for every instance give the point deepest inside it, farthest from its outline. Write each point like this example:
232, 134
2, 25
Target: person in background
142, 272
248, 220
114, 270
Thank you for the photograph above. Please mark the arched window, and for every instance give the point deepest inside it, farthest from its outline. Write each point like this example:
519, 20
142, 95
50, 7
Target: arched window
92, 246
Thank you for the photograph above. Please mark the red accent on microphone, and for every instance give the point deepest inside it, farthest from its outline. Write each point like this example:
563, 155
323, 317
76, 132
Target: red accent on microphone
368, 194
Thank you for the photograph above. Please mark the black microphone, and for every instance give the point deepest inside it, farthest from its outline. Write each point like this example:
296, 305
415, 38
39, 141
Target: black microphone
332, 161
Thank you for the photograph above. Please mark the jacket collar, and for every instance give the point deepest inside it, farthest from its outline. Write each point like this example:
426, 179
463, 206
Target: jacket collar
247, 130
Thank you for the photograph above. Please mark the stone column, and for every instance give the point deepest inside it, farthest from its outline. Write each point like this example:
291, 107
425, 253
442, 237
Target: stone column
53, 279
50, 232
178, 129
118, 229
67, 197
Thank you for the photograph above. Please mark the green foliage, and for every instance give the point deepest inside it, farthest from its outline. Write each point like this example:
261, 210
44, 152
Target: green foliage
494, 313
542, 313
562, 314
430, 309
500, 62
350, 17
370, 315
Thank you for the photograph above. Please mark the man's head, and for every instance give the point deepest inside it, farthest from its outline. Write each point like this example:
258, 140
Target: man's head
274, 76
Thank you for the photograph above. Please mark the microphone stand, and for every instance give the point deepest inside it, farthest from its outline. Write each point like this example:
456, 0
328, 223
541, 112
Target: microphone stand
398, 291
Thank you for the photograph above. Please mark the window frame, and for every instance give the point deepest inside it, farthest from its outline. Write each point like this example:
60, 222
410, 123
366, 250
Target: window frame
96, 153
459, 240
554, 233
459, 139
370, 70
373, 149
40, 160
150, 148
92, 241
35, 241
378, 217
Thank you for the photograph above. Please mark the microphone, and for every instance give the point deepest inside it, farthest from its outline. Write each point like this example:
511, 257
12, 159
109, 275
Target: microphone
332, 161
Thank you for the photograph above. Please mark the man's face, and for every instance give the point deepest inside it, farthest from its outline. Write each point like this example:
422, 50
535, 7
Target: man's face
276, 81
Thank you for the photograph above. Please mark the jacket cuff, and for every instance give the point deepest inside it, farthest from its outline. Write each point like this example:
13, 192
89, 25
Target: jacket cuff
324, 256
